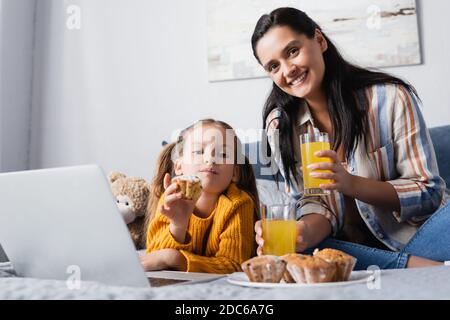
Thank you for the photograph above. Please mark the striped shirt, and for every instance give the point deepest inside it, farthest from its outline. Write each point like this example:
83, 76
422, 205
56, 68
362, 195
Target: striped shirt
400, 153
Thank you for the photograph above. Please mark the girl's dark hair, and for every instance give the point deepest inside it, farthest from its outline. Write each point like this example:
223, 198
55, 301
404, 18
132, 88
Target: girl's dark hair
343, 81
165, 164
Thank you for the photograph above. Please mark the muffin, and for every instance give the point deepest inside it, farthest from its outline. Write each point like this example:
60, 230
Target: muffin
344, 262
309, 269
291, 258
190, 187
264, 269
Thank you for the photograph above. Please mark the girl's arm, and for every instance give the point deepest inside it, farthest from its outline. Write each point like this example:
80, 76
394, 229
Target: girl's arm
159, 235
176, 209
163, 259
235, 244
169, 227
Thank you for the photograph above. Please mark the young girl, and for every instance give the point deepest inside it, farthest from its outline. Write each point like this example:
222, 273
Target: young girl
215, 234
386, 182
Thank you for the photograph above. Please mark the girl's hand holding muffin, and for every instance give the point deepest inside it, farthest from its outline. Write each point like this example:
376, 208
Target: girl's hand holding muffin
177, 209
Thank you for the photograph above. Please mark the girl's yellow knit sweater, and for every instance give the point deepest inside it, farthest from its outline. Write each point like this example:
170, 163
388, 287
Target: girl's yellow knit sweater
216, 244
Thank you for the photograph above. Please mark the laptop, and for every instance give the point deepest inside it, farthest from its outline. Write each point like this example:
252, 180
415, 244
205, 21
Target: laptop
63, 224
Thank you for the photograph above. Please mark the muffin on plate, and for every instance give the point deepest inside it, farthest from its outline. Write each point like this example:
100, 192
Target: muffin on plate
291, 258
190, 187
343, 261
264, 269
310, 269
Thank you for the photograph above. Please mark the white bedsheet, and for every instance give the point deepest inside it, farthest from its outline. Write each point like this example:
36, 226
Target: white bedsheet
425, 283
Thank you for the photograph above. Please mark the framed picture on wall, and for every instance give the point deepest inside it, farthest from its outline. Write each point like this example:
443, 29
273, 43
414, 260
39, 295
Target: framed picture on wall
371, 33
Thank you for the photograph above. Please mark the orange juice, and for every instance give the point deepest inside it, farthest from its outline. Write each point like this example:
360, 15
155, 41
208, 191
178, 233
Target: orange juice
312, 185
279, 236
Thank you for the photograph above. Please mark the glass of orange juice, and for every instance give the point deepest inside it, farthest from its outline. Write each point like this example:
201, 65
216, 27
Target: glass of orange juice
309, 145
279, 229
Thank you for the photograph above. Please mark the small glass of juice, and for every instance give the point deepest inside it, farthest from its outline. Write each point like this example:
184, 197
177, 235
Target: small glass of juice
309, 145
279, 229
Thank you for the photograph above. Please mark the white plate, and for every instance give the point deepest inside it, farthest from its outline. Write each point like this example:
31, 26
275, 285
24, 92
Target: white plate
241, 279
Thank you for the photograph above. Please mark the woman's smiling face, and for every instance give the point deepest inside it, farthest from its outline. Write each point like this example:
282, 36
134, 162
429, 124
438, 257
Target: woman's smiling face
293, 61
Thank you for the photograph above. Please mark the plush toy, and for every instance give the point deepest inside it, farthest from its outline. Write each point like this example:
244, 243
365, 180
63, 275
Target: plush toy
132, 195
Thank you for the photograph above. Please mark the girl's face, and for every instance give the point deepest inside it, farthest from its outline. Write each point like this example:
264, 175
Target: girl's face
209, 153
293, 61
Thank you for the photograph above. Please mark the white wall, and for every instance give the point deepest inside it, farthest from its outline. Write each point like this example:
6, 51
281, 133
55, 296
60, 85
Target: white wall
16, 47
1, 89
431, 78
112, 91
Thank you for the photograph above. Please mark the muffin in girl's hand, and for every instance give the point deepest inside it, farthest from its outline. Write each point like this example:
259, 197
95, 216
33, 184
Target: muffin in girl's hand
190, 187
344, 262
309, 269
264, 269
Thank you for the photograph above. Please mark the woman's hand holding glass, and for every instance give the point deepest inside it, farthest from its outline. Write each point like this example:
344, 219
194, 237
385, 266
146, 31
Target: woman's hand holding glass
343, 181
301, 243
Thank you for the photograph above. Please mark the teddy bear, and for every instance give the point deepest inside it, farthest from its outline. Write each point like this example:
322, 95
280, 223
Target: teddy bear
132, 195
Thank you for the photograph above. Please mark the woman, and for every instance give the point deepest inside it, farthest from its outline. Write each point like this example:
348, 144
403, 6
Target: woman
384, 171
